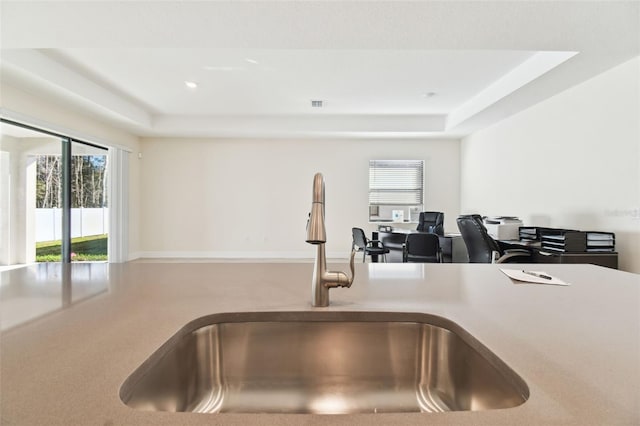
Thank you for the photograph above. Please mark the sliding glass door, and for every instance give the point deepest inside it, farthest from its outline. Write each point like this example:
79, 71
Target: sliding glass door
89, 208
53, 198
30, 173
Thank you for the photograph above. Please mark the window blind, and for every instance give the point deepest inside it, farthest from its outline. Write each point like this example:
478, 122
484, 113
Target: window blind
396, 182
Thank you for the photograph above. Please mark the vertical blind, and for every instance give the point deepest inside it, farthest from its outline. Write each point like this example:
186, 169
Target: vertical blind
396, 182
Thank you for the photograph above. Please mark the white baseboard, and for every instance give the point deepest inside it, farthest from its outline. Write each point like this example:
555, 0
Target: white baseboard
134, 256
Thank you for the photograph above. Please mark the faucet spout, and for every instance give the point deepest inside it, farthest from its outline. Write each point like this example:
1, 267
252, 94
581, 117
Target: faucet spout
316, 233
322, 279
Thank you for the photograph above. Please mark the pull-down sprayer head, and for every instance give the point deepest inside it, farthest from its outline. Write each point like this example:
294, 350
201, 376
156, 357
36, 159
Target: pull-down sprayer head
316, 233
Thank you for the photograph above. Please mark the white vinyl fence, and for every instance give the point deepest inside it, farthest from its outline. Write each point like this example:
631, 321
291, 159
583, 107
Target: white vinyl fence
84, 222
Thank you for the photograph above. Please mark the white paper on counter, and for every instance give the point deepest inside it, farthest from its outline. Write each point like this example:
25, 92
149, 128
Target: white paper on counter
519, 275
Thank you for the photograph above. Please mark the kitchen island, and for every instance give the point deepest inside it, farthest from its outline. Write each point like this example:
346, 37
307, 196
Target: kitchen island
576, 347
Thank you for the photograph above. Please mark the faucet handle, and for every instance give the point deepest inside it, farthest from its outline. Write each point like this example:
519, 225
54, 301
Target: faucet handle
340, 279
351, 266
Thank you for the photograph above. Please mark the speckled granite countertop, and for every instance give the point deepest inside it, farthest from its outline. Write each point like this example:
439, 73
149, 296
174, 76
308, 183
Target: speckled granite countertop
576, 347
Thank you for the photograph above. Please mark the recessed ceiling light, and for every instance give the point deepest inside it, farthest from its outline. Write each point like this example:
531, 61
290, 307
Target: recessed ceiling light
251, 61
191, 84
429, 94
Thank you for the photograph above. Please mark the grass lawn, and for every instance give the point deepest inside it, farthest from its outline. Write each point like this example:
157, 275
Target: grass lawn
85, 248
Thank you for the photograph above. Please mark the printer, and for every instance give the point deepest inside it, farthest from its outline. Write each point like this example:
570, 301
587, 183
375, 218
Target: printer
503, 227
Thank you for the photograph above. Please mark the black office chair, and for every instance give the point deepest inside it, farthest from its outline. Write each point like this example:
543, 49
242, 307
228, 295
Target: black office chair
484, 249
431, 222
422, 247
367, 246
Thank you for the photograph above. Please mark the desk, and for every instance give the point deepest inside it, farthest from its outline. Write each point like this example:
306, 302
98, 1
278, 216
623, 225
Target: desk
453, 248
609, 260
539, 255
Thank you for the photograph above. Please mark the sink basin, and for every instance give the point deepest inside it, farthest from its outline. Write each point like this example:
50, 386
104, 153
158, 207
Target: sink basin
322, 363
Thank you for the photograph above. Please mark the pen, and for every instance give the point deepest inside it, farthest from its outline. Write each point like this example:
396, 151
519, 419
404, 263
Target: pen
534, 274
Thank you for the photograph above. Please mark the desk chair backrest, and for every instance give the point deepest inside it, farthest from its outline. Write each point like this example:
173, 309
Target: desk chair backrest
422, 247
431, 222
480, 245
359, 238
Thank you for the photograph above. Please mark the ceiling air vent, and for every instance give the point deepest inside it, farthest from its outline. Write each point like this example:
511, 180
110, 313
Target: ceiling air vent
316, 104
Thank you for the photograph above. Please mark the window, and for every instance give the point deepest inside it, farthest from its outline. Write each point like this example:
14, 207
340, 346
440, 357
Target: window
396, 189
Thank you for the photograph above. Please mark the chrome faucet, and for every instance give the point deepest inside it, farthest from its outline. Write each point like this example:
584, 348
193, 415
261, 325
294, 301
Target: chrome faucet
322, 279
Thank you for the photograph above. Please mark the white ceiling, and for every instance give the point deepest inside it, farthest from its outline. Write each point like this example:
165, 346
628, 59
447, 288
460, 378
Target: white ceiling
265, 82
382, 68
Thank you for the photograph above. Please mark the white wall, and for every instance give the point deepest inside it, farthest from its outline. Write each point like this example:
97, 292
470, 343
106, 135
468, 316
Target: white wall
250, 198
571, 161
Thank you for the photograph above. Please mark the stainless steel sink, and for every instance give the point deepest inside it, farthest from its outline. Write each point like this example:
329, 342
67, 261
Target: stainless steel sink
323, 363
